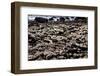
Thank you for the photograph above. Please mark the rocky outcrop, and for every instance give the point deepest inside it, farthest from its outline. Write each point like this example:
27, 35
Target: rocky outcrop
49, 41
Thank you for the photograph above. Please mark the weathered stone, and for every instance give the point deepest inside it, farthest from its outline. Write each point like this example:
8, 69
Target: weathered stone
57, 40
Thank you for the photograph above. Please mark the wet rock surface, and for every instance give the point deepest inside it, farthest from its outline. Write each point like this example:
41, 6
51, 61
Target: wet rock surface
52, 41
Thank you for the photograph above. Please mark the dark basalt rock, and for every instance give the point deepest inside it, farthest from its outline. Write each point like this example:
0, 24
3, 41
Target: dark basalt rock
57, 40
